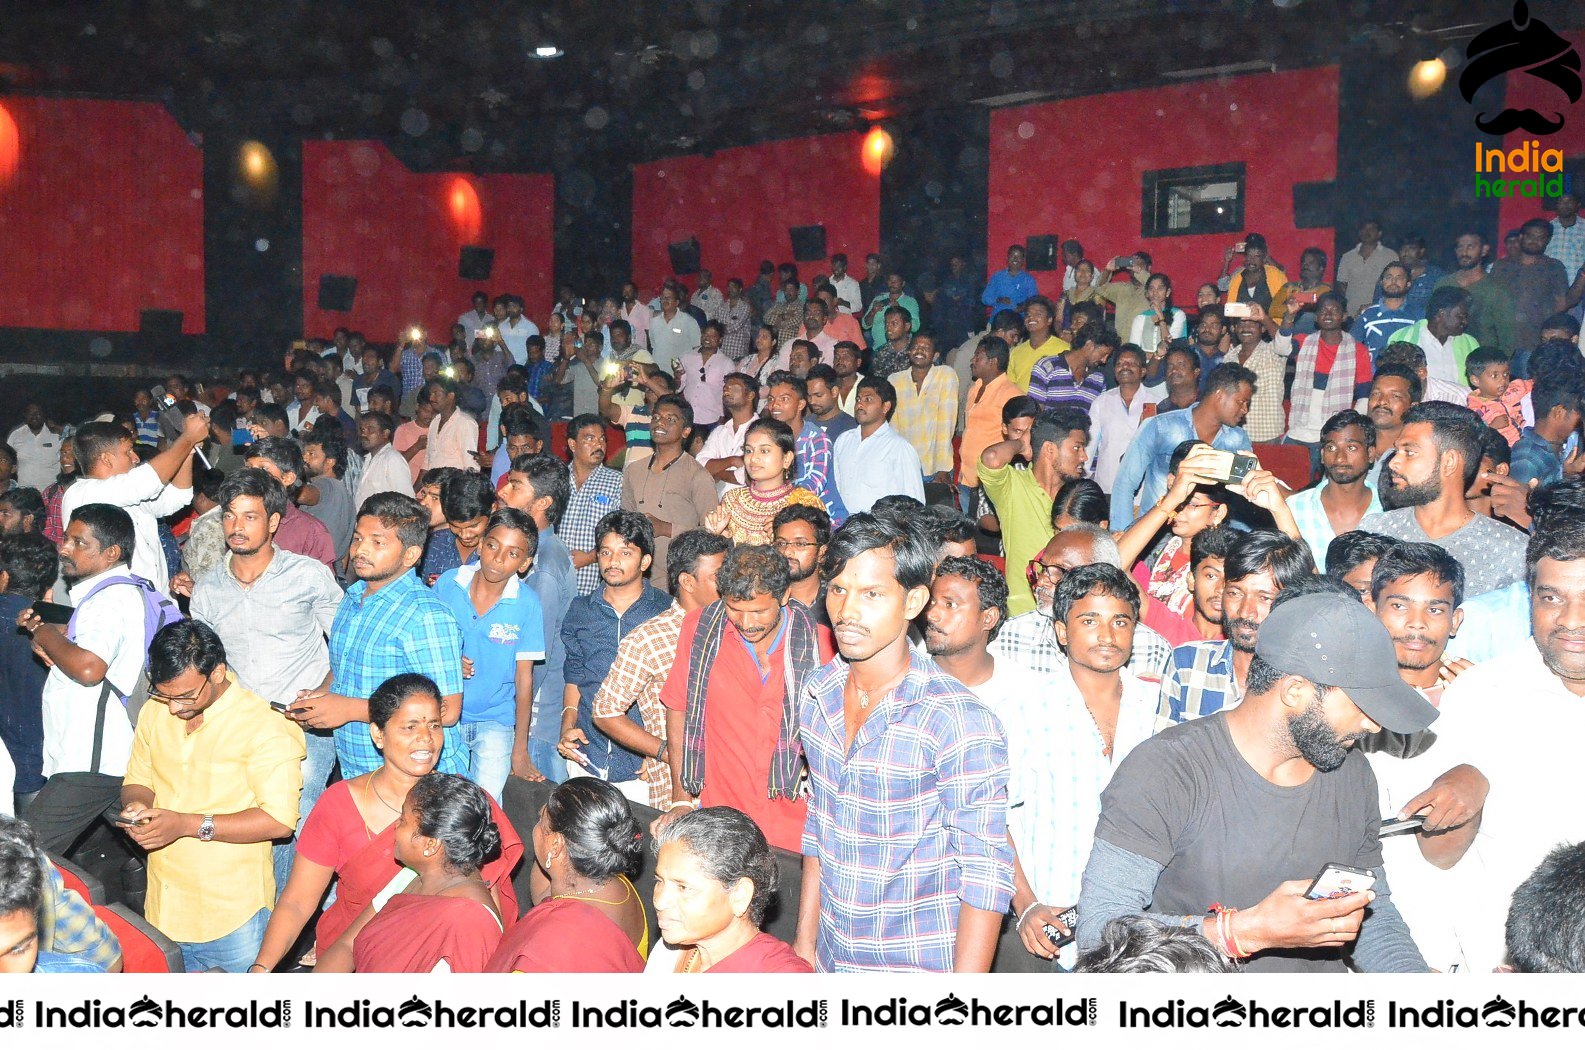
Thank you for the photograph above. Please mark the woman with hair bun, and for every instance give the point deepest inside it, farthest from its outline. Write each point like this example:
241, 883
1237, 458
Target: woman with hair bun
715, 876
587, 917
438, 915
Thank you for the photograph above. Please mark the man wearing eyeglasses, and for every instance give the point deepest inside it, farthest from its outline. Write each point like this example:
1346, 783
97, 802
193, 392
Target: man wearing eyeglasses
211, 782
800, 534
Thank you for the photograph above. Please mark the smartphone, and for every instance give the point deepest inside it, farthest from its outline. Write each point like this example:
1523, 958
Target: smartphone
278, 706
1339, 880
1401, 825
50, 612
1305, 298
1070, 919
1238, 311
1239, 246
113, 814
241, 436
1243, 463
416, 334
488, 331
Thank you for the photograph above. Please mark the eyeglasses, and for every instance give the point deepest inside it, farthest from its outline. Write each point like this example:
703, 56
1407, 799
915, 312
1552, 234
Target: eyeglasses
184, 701
795, 545
1037, 569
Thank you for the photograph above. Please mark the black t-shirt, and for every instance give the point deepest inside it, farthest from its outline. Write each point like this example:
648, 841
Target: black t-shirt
1188, 800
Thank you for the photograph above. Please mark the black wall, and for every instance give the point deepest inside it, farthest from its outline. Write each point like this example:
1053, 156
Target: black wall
935, 192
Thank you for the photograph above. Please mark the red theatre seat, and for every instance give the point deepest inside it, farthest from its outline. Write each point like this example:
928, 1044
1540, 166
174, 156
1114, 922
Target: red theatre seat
143, 948
1291, 464
86, 884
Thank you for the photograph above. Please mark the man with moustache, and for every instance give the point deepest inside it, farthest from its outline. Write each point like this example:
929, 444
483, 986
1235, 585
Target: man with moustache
1435, 461
907, 867
1239, 811
801, 534
272, 611
211, 782
1324, 512
1490, 307
731, 697
1393, 391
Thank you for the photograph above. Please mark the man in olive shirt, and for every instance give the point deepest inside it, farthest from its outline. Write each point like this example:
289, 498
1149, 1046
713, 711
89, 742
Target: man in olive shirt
1490, 306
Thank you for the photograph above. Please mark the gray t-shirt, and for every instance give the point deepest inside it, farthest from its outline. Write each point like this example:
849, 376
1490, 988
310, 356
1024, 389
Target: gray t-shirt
1492, 553
1187, 800
335, 511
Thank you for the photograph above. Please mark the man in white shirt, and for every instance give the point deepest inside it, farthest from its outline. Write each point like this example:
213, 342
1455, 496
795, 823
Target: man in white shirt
515, 330
709, 298
95, 662
636, 314
1359, 268
873, 460
384, 468
453, 434
111, 474
850, 294
672, 331
38, 449
476, 318
722, 454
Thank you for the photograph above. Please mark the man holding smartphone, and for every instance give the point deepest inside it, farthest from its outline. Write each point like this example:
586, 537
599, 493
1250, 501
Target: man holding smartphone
1222, 824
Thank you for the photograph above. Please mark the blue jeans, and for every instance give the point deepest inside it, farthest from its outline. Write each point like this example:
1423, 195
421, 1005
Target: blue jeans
317, 765
489, 754
547, 760
233, 953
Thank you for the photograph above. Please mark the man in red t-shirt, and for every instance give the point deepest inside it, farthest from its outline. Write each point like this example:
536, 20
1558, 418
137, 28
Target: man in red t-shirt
731, 697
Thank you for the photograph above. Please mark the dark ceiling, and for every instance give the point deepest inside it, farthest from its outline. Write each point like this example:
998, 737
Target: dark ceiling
455, 83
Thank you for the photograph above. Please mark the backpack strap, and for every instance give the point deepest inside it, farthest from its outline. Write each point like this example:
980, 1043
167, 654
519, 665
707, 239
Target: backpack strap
105, 692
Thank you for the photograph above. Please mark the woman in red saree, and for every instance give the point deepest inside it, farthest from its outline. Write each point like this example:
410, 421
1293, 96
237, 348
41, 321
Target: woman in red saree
438, 915
714, 878
587, 917
350, 835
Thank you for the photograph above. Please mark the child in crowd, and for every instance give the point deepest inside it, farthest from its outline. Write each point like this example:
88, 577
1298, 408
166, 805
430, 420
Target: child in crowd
1498, 399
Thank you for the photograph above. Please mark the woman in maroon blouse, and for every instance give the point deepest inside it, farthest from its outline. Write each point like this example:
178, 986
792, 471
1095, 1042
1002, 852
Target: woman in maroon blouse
714, 878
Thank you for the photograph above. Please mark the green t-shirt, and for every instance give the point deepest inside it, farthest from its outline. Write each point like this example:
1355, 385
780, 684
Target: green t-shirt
1024, 510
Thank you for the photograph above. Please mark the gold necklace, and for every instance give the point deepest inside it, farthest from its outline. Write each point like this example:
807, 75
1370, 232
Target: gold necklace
628, 895
394, 809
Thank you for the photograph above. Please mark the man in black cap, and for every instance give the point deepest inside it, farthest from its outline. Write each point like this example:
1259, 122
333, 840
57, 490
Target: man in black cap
1221, 824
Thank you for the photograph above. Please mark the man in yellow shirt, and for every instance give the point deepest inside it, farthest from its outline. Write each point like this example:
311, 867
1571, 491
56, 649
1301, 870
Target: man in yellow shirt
215, 775
1040, 320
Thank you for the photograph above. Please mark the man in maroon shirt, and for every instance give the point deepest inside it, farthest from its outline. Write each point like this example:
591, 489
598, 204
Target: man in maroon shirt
729, 700
282, 459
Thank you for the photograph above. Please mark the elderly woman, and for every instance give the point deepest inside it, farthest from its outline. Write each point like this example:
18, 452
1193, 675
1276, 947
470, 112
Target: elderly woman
714, 878
587, 917
438, 914
350, 835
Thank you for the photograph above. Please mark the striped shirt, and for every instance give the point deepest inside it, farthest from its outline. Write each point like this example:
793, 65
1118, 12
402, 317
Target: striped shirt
1199, 682
400, 628
586, 505
1052, 384
909, 824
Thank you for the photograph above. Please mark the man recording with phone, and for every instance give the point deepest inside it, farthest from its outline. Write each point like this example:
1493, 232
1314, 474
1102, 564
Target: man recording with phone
1232, 824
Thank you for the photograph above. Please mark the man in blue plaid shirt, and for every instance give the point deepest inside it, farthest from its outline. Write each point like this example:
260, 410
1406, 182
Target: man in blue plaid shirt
388, 624
906, 860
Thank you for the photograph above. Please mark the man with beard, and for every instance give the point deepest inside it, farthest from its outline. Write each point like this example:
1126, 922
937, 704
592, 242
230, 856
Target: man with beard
1435, 460
1525, 744
1326, 511
1029, 639
1537, 283
388, 624
209, 785
733, 692
906, 867
800, 534
1203, 678
1393, 391
1244, 808
1066, 731
1490, 307
1386, 317
272, 610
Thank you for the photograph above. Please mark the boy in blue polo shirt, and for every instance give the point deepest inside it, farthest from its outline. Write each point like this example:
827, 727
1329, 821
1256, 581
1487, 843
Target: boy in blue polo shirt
503, 633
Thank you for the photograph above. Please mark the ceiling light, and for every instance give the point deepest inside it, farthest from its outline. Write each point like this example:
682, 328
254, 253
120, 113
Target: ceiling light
548, 51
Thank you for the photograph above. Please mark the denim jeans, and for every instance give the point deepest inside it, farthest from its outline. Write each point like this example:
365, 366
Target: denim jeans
233, 953
321, 759
547, 760
489, 754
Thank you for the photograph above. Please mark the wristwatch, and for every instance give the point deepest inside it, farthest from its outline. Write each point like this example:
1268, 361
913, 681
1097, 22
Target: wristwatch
206, 830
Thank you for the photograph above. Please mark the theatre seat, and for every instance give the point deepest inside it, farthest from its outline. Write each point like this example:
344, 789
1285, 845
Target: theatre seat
85, 883
522, 801
1291, 464
143, 948
615, 441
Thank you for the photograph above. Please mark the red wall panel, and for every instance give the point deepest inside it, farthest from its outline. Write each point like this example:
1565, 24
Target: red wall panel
1075, 168
1527, 92
399, 233
102, 218
739, 203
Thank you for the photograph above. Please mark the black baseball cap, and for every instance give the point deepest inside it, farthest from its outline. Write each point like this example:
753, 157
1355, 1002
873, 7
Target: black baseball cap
1335, 641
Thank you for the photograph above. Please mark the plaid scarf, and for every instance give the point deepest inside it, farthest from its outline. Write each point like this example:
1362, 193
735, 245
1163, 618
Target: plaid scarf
801, 654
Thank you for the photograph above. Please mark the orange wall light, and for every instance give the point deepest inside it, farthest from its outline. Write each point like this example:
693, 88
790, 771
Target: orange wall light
10, 146
878, 150
462, 201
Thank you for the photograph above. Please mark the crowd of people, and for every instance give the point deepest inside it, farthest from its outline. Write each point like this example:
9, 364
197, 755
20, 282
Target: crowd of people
991, 606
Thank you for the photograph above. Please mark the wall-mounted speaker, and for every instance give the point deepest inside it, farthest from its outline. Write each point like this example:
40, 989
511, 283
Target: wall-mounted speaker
808, 243
475, 264
1041, 252
336, 292
684, 256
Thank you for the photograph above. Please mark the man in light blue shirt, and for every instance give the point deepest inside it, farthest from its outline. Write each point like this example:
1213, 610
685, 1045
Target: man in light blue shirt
1214, 420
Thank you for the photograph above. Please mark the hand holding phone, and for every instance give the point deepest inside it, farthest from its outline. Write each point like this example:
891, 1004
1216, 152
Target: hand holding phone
1237, 311
1340, 880
1401, 825
49, 612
